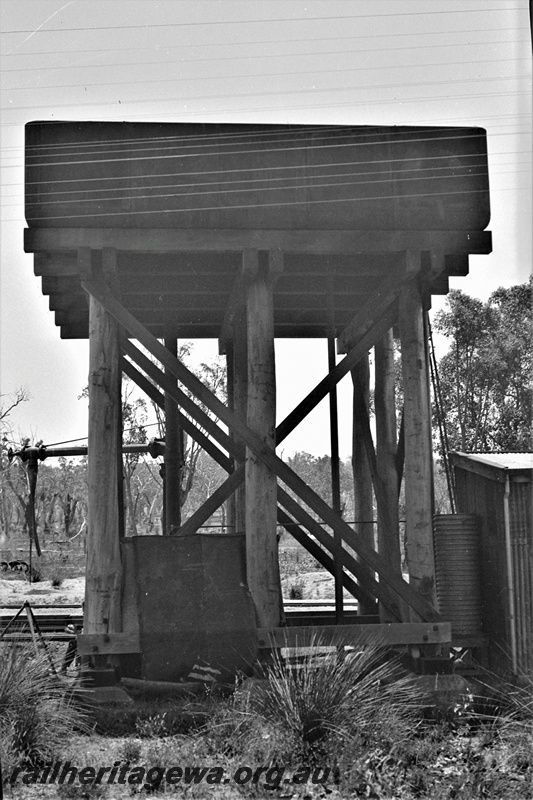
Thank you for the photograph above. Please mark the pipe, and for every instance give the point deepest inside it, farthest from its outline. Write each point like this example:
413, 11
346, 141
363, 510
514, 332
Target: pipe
510, 573
155, 448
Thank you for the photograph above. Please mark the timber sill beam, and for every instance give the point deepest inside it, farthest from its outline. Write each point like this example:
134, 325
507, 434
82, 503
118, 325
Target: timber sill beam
179, 371
404, 633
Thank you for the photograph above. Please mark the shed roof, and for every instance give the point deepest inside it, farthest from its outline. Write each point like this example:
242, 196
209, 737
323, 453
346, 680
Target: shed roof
518, 464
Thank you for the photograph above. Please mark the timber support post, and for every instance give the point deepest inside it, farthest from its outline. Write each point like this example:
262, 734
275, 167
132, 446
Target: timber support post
362, 477
261, 484
102, 613
418, 453
386, 454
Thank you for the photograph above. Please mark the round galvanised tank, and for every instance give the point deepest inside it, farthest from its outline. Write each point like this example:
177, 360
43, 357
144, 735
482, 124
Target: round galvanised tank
457, 567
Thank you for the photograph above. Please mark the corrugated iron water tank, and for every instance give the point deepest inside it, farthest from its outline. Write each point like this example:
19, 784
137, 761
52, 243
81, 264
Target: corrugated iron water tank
457, 567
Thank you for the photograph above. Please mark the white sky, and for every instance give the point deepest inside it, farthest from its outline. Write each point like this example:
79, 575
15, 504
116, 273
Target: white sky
346, 62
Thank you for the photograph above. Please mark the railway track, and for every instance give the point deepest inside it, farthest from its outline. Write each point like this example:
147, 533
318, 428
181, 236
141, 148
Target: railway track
53, 619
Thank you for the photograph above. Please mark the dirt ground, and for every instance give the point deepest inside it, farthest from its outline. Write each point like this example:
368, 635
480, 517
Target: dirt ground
314, 585
16, 591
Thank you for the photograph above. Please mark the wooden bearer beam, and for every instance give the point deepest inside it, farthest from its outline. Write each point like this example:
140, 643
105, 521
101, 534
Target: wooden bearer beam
403, 633
159, 240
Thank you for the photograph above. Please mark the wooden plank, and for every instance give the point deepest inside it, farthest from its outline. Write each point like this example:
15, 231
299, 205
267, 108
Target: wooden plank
403, 633
159, 240
255, 443
108, 643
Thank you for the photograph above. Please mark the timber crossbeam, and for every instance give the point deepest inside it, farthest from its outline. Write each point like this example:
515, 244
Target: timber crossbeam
404, 633
165, 240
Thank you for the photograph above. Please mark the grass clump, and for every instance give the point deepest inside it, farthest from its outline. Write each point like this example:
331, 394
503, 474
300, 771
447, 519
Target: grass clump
37, 712
337, 697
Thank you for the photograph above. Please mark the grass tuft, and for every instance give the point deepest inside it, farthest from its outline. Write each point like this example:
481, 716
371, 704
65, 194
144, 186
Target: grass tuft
37, 712
334, 696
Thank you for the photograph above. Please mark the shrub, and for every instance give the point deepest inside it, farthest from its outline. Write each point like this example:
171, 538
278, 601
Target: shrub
131, 750
338, 696
152, 727
37, 712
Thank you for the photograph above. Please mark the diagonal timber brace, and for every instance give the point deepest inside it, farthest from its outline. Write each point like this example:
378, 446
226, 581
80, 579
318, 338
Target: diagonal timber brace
98, 290
189, 427
226, 488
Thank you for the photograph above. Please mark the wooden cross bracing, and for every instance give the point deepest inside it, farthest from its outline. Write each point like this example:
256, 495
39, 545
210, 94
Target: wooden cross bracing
390, 583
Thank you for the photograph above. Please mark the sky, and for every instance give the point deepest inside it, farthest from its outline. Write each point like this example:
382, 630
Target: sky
346, 62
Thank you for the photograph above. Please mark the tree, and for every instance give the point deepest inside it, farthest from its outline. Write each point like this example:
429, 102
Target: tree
486, 376
316, 472
13, 500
